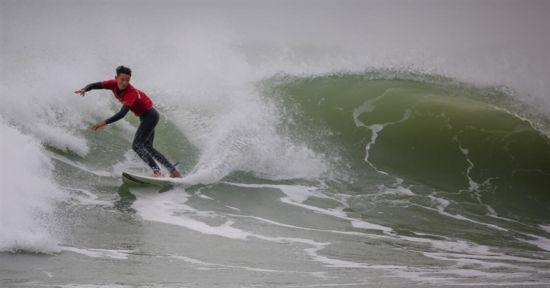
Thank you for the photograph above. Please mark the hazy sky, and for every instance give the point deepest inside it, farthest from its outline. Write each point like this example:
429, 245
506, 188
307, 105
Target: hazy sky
487, 42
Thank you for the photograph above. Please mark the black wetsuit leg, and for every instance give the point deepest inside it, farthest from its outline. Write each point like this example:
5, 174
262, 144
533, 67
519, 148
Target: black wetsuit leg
156, 154
143, 141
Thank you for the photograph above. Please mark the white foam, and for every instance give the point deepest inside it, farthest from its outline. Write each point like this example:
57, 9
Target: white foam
441, 204
296, 195
399, 190
226, 266
85, 197
488, 256
466, 255
45, 115
205, 196
539, 241
99, 253
238, 132
78, 165
170, 208
26, 203
335, 263
299, 227
458, 246
545, 228
233, 208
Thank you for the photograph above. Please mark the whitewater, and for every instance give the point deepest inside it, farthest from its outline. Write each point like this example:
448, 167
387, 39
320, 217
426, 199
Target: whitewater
327, 144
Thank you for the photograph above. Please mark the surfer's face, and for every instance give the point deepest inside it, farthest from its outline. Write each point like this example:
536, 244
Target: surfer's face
122, 80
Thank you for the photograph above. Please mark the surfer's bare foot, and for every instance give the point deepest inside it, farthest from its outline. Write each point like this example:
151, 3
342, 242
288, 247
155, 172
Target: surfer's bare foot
157, 174
175, 174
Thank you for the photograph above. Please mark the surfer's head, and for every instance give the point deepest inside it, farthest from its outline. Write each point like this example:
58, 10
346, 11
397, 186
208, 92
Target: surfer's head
123, 75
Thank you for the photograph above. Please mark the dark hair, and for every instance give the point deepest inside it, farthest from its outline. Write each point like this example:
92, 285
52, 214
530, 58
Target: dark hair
123, 69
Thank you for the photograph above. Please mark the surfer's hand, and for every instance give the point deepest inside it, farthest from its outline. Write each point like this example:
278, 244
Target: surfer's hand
81, 92
98, 125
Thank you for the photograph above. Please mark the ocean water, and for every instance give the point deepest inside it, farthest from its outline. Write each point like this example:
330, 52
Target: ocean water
327, 144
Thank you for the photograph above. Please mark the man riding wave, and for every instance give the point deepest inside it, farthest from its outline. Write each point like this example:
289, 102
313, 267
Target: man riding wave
142, 106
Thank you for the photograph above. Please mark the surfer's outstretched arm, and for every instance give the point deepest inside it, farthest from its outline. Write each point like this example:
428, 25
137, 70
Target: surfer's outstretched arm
91, 86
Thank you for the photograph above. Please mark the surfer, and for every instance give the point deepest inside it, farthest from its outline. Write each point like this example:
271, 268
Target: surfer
142, 106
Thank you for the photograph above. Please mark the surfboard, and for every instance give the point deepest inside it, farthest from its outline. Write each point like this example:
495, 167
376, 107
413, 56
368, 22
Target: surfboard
132, 178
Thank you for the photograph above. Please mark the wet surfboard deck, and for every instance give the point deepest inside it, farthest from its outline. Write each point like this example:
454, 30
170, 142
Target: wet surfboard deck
132, 178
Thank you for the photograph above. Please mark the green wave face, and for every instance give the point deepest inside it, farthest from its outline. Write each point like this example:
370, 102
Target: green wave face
439, 134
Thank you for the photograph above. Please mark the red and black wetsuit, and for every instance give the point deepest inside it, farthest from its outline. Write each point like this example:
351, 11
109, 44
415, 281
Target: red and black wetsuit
142, 106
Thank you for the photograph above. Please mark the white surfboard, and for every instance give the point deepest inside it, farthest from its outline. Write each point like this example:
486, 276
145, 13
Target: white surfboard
132, 178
